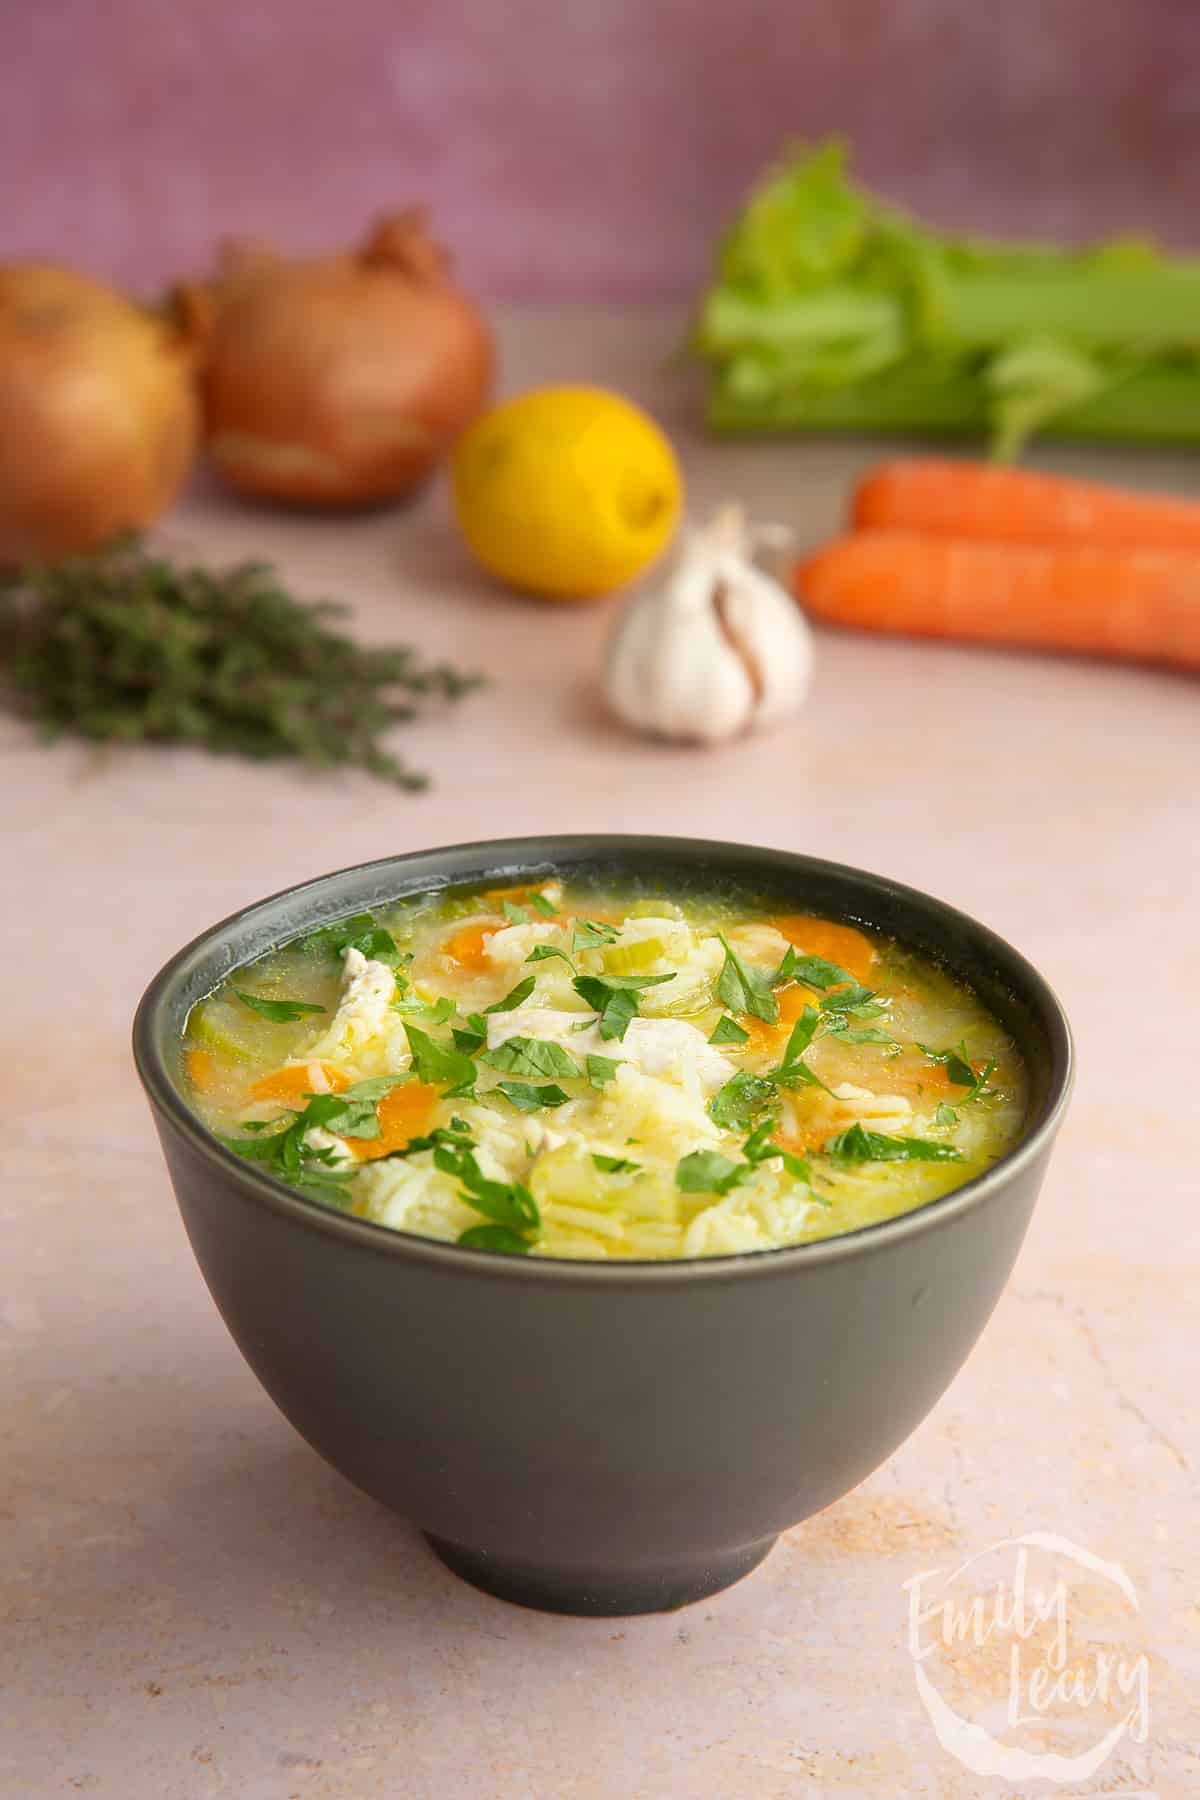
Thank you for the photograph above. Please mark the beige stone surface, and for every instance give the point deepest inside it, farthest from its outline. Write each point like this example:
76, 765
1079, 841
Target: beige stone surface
194, 1606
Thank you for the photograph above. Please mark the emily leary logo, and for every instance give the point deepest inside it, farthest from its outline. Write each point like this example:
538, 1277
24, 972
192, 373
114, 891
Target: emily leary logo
1055, 1705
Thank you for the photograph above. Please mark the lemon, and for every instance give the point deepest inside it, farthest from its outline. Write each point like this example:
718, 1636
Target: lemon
566, 491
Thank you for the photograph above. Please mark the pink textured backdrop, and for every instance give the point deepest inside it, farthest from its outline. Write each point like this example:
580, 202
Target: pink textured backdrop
576, 147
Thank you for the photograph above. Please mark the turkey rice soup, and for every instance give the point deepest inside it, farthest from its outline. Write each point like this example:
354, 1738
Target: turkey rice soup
577, 1070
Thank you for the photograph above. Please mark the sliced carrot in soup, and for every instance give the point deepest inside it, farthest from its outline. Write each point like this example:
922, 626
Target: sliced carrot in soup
405, 1112
202, 1069
852, 950
792, 1002
468, 947
291, 1084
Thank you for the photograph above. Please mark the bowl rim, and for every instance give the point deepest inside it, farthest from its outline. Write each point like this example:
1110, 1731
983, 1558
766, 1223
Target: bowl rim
503, 857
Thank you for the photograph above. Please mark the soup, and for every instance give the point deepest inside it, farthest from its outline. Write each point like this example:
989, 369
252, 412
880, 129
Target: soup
603, 1071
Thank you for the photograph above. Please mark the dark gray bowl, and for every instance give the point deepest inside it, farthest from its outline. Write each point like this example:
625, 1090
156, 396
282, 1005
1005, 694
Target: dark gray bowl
585, 1437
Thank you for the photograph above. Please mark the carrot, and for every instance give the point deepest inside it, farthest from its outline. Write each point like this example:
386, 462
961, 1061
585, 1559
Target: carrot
468, 947
1110, 602
792, 1002
840, 944
989, 502
202, 1069
404, 1112
294, 1081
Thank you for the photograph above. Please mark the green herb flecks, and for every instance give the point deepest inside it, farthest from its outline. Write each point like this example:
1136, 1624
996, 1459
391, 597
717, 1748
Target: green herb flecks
588, 935
434, 1012
708, 1172
735, 1105
759, 1148
125, 647
508, 1205
856, 1144
614, 1165
282, 1146
439, 1064
542, 952
515, 996
455, 1137
600, 1070
961, 1071
281, 1012
471, 1035
361, 932
496, 1237
744, 989
614, 998
527, 1098
532, 1056
728, 1031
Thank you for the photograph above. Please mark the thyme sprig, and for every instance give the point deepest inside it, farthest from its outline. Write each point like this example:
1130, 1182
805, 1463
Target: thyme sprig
125, 646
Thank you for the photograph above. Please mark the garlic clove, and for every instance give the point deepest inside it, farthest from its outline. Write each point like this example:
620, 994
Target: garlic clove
721, 649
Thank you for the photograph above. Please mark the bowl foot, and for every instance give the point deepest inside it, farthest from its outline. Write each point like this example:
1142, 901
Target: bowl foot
602, 1593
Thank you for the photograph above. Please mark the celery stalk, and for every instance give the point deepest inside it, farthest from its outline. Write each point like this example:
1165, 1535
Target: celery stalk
831, 311
1154, 405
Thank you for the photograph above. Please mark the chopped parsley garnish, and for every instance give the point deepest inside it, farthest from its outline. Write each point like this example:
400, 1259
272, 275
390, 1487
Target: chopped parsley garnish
516, 915
743, 989
540, 952
945, 1116
281, 1012
801, 1036
728, 1031
848, 995
960, 1070
588, 935
472, 1035
859, 1001
614, 1165
411, 1006
361, 932
509, 1205
857, 1144
759, 1148
515, 996
495, 1237
733, 1107
614, 997
352, 1113
708, 1172
869, 1034
283, 1147
793, 1068
542, 904
454, 1138
813, 971
531, 1056
439, 1064
601, 1070
527, 1098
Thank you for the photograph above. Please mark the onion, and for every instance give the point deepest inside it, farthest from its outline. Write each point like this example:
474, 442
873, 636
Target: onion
341, 379
98, 414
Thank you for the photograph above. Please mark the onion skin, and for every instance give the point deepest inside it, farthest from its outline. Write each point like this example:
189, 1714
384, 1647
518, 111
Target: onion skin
341, 380
99, 417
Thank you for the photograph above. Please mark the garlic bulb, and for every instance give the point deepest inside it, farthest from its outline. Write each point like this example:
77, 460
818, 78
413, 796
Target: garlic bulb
722, 649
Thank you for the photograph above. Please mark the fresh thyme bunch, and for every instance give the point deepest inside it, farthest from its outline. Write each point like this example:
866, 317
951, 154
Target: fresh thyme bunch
124, 646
